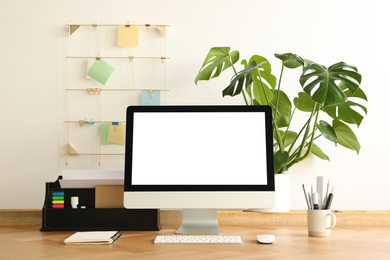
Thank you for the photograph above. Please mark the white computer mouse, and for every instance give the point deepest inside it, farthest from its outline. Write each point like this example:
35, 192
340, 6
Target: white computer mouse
266, 239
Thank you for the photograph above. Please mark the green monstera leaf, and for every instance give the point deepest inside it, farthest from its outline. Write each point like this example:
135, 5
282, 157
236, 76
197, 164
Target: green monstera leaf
346, 112
260, 93
256, 79
349, 112
321, 83
280, 161
241, 80
327, 131
288, 137
217, 60
345, 136
319, 153
304, 102
290, 60
333, 92
282, 108
263, 81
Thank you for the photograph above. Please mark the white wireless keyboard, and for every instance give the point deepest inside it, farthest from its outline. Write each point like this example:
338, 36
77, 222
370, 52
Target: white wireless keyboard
198, 239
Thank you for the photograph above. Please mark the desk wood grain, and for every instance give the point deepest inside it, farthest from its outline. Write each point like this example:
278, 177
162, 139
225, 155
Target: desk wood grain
230, 218
292, 242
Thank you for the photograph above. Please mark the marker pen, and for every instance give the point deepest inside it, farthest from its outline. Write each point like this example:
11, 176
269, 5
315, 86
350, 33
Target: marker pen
315, 200
329, 201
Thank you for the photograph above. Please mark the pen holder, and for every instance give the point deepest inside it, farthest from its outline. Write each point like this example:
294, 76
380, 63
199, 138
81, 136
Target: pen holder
320, 222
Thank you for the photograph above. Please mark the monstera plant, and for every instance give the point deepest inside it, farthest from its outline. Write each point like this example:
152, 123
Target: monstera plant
329, 99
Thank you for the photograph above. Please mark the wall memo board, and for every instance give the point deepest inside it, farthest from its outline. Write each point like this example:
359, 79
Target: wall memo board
110, 66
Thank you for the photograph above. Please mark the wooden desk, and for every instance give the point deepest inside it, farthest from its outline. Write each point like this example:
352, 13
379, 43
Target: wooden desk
292, 242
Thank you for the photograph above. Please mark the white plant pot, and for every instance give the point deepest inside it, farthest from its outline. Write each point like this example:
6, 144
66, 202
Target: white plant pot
282, 194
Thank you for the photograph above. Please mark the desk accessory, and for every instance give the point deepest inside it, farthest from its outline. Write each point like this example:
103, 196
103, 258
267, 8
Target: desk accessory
329, 199
198, 239
320, 222
57, 201
93, 237
320, 190
91, 218
266, 239
109, 196
74, 201
314, 200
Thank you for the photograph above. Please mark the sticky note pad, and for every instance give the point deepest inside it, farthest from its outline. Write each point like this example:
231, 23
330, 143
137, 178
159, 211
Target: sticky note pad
100, 71
57, 202
71, 150
116, 133
161, 29
103, 133
150, 97
127, 35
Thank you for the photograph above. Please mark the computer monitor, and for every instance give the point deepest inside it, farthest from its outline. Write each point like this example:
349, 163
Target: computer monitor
199, 159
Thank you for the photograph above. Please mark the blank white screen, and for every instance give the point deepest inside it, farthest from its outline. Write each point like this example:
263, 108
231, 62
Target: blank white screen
218, 148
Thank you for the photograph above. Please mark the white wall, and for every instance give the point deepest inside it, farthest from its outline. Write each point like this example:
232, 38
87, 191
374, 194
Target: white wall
33, 75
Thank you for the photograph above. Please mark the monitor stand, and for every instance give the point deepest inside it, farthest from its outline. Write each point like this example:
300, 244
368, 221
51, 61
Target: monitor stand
199, 221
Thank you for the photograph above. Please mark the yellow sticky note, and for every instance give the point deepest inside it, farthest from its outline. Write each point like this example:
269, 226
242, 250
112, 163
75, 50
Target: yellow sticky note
71, 150
161, 29
127, 35
116, 133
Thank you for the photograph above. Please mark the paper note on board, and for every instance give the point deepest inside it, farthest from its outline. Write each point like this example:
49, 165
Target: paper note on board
104, 133
150, 97
116, 133
161, 29
73, 28
100, 71
128, 35
71, 150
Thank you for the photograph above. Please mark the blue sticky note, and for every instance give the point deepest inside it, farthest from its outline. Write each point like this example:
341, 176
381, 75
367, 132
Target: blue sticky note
150, 97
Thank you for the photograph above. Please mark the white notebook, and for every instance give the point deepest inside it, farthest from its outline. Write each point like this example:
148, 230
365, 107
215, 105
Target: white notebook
93, 237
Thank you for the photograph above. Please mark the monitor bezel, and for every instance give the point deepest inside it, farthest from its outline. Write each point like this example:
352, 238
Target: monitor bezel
129, 187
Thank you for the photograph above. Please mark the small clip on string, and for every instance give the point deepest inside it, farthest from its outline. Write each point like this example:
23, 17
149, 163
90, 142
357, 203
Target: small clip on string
115, 125
151, 91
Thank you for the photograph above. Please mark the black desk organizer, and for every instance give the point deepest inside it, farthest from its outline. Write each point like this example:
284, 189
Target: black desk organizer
91, 218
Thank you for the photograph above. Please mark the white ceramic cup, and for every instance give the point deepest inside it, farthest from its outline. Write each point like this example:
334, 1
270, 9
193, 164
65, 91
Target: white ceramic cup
320, 222
74, 201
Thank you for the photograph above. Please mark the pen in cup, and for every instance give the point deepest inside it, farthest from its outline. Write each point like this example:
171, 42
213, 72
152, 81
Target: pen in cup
304, 192
315, 201
329, 200
326, 196
312, 195
312, 198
